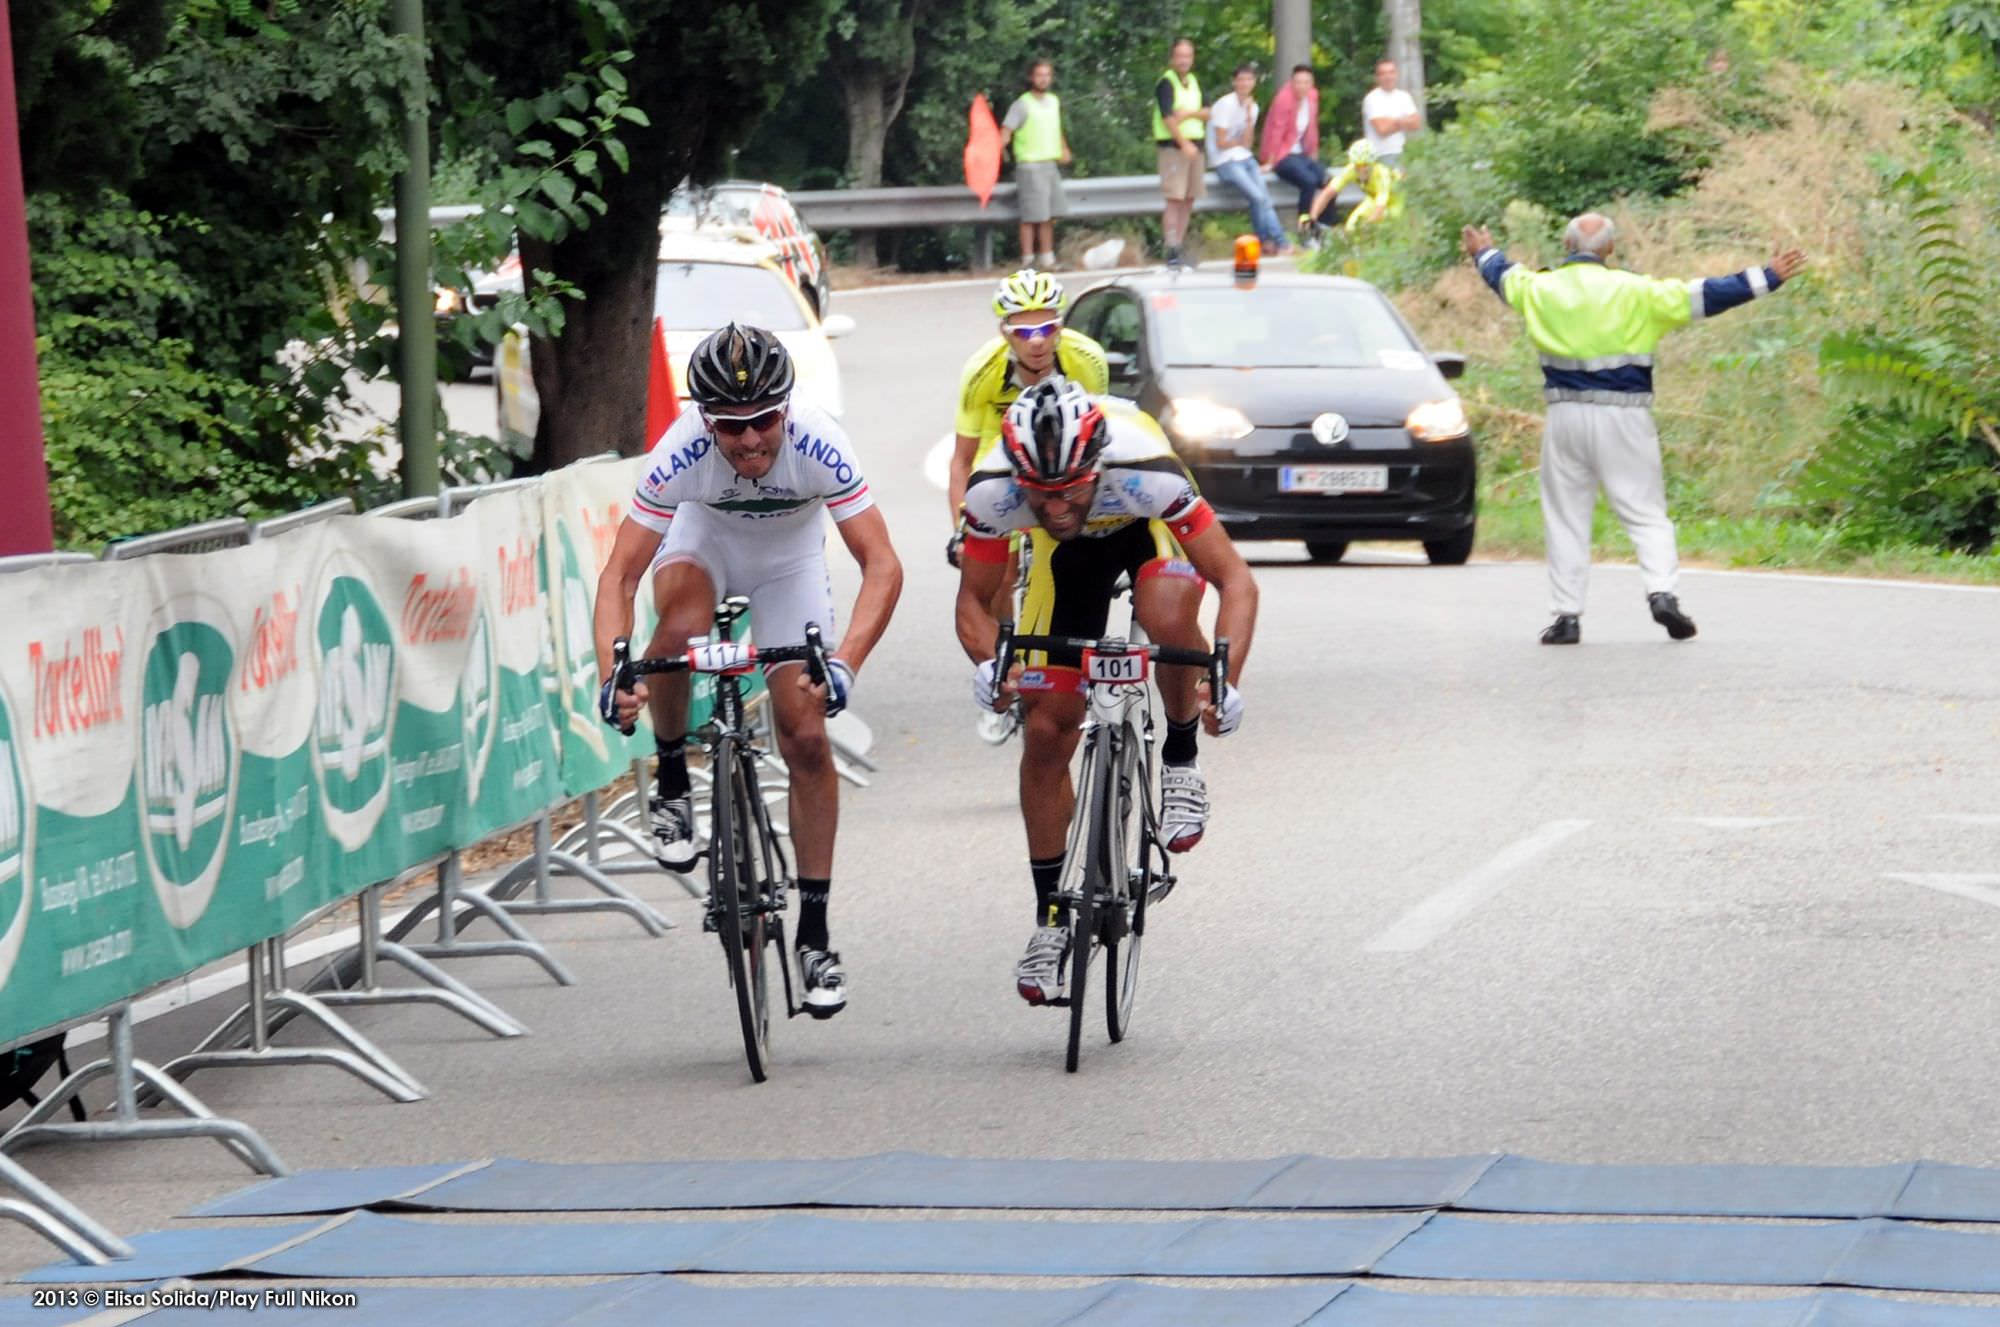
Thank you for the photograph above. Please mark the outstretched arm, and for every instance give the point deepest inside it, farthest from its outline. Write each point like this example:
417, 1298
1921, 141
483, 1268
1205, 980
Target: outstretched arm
1493, 265
867, 538
1719, 294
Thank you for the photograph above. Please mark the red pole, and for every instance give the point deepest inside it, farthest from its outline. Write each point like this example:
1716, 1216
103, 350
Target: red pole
24, 474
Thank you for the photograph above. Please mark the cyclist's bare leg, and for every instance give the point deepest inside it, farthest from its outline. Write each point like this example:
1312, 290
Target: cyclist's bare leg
1168, 606
685, 598
802, 741
1048, 740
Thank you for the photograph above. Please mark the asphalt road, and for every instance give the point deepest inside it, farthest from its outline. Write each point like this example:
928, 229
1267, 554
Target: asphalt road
1730, 900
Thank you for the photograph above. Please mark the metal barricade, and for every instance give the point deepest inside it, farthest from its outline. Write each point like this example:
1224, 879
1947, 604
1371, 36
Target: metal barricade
409, 509
36, 561
207, 537
277, 525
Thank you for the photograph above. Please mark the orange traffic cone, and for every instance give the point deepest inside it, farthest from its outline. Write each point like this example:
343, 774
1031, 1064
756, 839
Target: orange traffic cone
663, 407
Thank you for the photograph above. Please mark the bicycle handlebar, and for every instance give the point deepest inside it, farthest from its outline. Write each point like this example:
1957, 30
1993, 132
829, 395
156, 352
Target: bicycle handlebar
1216, 661
627, 671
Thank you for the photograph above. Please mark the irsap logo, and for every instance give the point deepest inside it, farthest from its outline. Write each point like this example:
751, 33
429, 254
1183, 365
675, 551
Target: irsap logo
476, 695
357, 709
17, 828
187, 763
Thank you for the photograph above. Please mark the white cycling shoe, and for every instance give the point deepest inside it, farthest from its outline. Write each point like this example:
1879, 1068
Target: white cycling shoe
673, 833
1040, 974
1183, 806
825, 982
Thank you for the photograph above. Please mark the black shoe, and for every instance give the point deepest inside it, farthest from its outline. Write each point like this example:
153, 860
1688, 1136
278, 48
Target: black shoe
1667, 612
1567, 629
1173, 258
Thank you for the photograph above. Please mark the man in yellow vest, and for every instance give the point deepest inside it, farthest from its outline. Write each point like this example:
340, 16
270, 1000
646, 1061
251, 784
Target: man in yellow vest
1180, 123
1596, 327
1033, 128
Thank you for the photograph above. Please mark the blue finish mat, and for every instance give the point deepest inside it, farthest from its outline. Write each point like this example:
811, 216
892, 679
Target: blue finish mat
1874, 1254
1925, 1190
648, 1301
1878, 1254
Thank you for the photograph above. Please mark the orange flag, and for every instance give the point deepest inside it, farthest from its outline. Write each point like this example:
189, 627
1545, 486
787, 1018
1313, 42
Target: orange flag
663, 407
982, 151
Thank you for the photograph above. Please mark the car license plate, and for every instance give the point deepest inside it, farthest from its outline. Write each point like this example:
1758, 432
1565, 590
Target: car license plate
1333, 479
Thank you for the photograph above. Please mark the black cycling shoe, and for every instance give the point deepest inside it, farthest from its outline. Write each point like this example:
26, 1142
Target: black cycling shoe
1567, 629
1667, 612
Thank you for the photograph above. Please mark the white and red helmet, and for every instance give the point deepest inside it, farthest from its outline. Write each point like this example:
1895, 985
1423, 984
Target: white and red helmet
1053, 434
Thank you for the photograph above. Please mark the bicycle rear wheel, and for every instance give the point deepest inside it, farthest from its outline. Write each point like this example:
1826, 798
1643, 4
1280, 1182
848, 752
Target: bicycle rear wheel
1127, 880
729, 878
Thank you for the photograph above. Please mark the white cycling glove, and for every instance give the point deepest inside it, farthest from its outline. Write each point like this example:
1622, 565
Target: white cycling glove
839, 686
607, 705
986, 685
1228, 711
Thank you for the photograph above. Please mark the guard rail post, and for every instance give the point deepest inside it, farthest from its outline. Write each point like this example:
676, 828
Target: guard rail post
518, 944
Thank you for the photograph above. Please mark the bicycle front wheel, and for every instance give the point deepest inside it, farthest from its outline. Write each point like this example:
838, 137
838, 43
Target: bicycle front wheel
1126, 884
731, 877
1081, 881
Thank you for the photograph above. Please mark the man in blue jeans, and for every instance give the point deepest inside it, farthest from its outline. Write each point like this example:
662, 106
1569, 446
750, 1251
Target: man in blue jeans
1232, 124
1291, 142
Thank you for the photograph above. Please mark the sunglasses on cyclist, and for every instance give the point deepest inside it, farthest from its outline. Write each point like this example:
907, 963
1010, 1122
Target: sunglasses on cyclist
1074, 490
1034, 331
735, 426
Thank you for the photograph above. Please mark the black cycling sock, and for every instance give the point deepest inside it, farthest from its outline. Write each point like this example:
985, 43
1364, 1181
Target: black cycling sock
812, 912
673, 767
1180, 746
1048, 874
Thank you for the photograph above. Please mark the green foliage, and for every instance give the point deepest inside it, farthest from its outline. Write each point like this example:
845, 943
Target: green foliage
1917, 451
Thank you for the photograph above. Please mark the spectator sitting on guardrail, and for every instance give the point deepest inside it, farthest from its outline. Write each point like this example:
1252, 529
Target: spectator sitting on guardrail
1033, 127
1178, 114
1232, 122
1291, 143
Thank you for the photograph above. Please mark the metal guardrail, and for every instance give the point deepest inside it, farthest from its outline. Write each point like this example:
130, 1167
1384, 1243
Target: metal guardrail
296, 520
953, 204
207, 537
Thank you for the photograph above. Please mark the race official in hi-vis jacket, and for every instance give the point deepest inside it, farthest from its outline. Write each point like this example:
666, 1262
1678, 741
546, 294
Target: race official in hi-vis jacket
1596, 327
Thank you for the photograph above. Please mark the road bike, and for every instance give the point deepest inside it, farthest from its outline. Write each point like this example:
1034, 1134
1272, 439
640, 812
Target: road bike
749, 871
1114, 864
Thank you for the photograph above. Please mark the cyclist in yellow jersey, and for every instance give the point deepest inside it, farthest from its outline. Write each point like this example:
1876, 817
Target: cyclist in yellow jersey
1033, 345
1377, 181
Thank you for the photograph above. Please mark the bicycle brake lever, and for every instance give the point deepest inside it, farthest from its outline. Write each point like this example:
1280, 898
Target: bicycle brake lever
1003, 653
622, 678
1218, 670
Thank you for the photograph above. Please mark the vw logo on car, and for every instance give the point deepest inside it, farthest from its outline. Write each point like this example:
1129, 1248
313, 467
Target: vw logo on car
1329, 429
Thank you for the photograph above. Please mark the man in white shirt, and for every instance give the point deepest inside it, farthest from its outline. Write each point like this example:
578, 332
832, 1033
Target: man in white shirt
1388, 114
1232, 124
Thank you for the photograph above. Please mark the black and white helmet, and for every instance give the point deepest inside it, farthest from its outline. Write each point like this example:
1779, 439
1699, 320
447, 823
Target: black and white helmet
1053, 434
738, 366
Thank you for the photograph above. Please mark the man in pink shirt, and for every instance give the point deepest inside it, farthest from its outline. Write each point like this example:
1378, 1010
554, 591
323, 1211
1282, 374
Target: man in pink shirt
1291, 141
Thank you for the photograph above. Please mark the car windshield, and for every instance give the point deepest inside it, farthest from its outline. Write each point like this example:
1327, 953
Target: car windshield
1306, 327
693, 297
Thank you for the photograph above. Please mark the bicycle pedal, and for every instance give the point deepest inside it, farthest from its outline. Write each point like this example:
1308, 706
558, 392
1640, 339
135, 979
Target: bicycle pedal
1163, 885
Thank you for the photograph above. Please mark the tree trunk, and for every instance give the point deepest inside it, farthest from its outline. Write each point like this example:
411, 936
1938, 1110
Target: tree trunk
1405, 21
1291, 30
868, 117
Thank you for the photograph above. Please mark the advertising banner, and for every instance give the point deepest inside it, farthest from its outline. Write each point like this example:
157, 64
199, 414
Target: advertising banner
198, 751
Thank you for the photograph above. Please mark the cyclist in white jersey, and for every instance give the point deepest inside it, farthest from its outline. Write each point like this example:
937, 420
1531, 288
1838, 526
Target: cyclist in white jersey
730, 503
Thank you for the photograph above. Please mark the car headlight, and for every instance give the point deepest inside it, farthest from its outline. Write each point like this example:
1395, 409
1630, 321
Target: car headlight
446, 301
1438, 421
1198, 420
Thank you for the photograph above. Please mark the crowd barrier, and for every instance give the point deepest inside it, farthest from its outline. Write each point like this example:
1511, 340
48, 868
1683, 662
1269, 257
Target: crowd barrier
213, 737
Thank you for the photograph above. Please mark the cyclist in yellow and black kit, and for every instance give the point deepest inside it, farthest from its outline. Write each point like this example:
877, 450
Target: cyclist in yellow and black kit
1033, 346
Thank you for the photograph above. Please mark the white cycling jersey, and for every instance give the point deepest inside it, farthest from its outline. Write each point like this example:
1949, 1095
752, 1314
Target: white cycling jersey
816, 466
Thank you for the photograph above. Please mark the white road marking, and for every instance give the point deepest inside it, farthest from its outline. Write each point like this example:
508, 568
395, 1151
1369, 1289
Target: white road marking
1438, 913
1828, 580
1736, 822
937, 463
1960, 818
1977, 887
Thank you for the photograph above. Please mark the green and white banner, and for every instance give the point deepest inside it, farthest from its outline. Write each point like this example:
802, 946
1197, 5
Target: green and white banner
198, 751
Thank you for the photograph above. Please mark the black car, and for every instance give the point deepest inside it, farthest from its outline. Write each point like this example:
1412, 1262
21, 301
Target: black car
1304, 405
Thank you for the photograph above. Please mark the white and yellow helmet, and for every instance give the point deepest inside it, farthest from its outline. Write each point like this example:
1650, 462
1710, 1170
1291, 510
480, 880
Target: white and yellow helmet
1026, 291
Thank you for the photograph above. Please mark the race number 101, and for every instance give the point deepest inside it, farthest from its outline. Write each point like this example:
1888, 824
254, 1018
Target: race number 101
1115, 669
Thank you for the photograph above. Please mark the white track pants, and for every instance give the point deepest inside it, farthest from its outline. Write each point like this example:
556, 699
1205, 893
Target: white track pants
1616, 447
